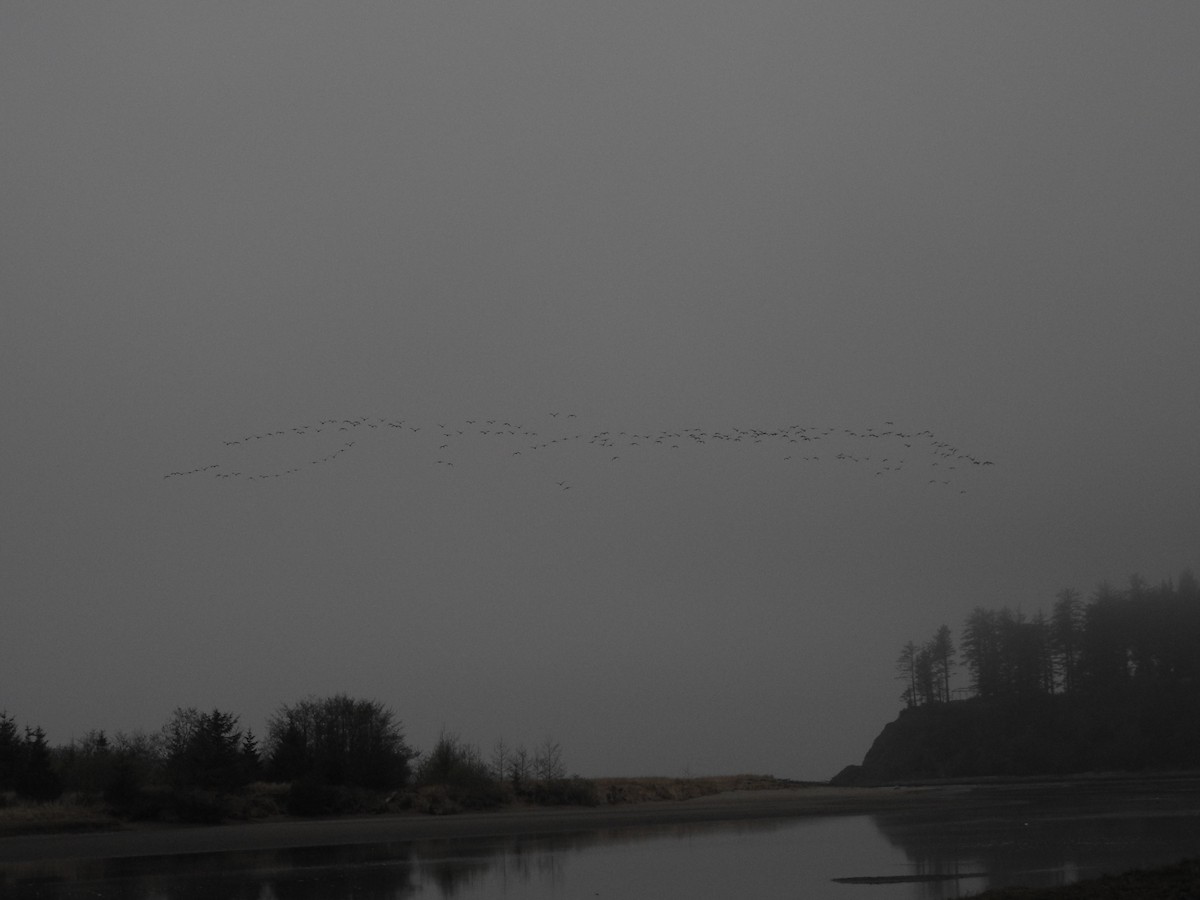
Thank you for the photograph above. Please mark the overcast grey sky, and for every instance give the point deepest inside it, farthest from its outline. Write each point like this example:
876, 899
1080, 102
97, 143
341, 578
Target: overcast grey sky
225, 219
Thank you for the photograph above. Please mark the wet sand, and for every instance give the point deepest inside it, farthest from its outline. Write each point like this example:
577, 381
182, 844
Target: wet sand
287, 833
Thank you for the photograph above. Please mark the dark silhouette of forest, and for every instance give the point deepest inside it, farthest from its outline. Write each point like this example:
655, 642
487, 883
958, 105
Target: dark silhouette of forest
1110, 683
321, 756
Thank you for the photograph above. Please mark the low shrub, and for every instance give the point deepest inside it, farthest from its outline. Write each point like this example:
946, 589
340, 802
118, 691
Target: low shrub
435, 800
573, 791
144, 804
261, 800
198, 806
452, 778
312, 797
56, 817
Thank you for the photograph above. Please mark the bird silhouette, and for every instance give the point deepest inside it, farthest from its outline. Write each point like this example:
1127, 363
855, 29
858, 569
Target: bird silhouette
944, 456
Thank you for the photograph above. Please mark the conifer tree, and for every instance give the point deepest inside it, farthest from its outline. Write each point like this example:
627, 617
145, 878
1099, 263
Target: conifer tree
941, 650
906, 670
11, 753
37, 779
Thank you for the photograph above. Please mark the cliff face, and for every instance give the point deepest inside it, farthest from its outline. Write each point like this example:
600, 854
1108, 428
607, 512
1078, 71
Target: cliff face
1044, 735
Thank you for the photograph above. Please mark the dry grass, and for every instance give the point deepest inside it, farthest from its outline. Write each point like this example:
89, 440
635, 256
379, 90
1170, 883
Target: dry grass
58, 817
263, 801
641, 790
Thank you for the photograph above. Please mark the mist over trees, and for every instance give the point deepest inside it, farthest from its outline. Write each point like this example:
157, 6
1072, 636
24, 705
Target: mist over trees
1110, 683
1138, 636
927, 669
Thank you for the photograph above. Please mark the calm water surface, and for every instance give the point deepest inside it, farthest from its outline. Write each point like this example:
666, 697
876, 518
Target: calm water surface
1034, 835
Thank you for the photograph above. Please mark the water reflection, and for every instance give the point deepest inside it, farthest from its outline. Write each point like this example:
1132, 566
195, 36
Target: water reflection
1051, 834
449, 868
368, 872
1032, 835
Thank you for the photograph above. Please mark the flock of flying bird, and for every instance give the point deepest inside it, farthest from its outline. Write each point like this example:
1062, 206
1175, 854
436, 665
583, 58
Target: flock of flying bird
883, 451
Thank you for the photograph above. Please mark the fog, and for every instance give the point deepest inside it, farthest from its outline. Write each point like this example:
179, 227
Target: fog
970, 229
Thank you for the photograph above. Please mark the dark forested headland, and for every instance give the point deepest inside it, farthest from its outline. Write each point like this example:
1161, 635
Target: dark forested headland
1107, 684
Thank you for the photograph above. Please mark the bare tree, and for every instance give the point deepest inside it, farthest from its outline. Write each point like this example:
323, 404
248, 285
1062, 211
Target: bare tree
501, 760
547, 762
520, 766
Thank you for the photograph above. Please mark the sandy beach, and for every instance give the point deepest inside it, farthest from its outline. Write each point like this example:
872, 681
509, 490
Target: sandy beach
286, 833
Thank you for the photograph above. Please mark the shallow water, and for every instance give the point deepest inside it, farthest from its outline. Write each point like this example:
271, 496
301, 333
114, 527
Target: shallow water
1034, 835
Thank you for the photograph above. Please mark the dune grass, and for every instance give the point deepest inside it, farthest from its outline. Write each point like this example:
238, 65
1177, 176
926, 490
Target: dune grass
650, 788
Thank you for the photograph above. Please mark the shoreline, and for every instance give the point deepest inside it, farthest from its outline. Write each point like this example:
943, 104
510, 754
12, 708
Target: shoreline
278, 834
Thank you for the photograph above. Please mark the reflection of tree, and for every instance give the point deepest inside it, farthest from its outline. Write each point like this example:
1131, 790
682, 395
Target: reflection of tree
1041, 835
365, 872
456, 864
356, 872
527, 859
187, 877
362, 872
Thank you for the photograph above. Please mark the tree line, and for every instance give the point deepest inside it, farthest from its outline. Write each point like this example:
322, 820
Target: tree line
334, 754
1140, 636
